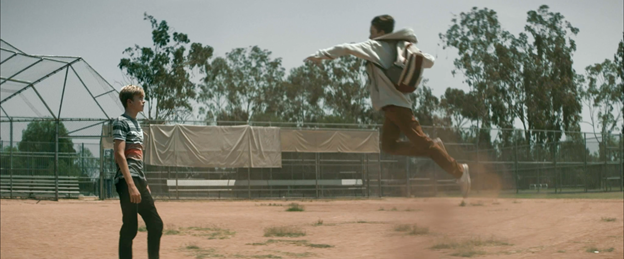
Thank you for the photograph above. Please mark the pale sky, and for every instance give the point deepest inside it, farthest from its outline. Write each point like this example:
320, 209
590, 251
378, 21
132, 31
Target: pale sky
99, 31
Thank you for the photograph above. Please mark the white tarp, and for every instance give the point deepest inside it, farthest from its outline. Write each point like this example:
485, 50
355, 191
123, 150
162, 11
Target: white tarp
212, 146
330, 141
242, 146
107, 136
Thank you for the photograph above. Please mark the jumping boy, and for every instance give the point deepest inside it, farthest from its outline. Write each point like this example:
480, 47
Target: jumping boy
380, 50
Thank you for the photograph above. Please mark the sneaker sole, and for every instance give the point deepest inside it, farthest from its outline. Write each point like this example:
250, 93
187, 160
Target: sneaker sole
465, 186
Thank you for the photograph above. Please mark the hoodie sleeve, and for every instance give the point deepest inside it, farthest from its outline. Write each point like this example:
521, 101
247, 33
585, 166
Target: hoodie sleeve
428, 58
365, 50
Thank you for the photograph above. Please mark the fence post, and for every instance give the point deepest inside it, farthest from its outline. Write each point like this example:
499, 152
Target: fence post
11, 159
367, 178
249, 180
539, 171
516, 165
407, 176
362, 174
555, 144
604, 171
56, 176
81, 165
379, 176
585, 160
475, 175
316, 173
101, 183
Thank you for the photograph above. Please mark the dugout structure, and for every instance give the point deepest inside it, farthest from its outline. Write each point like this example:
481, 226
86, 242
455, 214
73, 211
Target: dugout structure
186, 161
315, 165
68, 97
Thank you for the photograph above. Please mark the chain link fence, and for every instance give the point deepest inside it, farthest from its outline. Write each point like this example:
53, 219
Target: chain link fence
500, 160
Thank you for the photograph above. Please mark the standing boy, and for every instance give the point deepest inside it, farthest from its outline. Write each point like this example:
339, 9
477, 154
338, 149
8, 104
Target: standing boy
134, 193
380, 50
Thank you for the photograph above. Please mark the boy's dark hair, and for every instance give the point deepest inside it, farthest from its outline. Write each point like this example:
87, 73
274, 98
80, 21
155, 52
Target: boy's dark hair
383, 23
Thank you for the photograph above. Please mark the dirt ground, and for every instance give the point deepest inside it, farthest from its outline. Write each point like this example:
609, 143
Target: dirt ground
483, 228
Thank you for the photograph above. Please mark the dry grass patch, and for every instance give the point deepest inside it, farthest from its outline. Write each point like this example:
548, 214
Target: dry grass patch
292, 242
478, 203
210, 232
171, 229
295, 207
411, 229
468, 247
605, 219
266, 256
297, 255
284, 231
192, 247
201, 253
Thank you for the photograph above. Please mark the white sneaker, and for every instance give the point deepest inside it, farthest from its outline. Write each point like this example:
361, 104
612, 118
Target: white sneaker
464, 181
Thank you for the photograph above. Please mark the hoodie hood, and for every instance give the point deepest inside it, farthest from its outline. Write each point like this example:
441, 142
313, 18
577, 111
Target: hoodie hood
406, 34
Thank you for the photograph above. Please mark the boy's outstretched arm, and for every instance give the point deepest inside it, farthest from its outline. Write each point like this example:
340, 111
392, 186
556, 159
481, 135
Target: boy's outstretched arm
366, 50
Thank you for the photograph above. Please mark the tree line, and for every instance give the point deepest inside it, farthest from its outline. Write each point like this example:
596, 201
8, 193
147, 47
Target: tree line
526, 79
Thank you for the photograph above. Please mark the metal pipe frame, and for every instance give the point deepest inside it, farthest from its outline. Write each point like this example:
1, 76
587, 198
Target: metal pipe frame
19, 72
89, 91
31, 84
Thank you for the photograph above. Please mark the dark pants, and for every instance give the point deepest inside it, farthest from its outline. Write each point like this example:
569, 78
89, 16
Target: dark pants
400, 119
150, 216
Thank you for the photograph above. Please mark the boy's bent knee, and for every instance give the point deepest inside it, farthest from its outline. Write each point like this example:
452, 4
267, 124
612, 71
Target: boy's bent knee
128, 232
156, 227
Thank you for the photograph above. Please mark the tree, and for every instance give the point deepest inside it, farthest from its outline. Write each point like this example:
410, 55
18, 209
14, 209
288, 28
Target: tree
332, 93
248, 80
455, 107
304, 94
426, 106
345, 93
602, 96
213, 90
40, 137
5, 160
476, 36
529, 77
163, 70
88, 164
618, 60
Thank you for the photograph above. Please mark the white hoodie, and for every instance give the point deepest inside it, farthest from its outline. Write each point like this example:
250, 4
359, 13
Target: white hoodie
381, 52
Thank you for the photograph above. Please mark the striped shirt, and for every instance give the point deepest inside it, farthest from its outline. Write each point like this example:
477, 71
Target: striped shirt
128, 129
